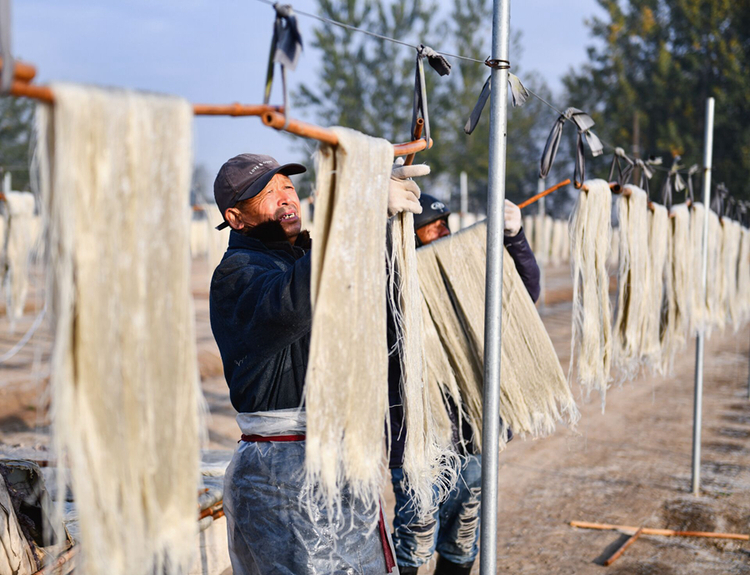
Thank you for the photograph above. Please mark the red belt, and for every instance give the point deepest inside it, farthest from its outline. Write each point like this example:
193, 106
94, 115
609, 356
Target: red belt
271, 438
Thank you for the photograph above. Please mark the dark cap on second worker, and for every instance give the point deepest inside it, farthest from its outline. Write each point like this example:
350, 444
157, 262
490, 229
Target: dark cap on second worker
432, 209
244, 177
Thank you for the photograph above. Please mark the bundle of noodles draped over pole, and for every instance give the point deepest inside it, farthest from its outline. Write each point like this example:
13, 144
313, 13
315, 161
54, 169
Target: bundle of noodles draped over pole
534, 394
658, 245
115, 169
731, 238
591, 340
16, 243
743, 276
347, 369
679, 285
716, 305
346, 388
699, 310
633, 282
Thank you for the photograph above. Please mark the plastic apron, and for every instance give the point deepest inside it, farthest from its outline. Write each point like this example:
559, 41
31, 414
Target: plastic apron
272, 532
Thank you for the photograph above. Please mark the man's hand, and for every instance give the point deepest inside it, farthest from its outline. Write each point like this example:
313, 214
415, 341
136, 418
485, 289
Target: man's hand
512, 219
403, 194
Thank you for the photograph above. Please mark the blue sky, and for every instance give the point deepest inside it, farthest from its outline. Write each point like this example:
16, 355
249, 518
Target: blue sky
215, 51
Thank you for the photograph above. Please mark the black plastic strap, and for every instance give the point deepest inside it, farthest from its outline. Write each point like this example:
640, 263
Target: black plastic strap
286, 47
419, 107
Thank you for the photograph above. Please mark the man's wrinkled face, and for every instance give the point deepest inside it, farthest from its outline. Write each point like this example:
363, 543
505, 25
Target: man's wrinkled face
277, 201
433, 231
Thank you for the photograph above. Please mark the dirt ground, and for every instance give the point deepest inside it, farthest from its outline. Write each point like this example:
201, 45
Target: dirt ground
630, 465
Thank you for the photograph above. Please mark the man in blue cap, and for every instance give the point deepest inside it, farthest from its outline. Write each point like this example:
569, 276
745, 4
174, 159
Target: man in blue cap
261, 318
453, 529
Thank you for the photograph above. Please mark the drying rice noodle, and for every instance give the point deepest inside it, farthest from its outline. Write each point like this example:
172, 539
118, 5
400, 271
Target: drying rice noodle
743, 276
716, 305
699, 311
559, 233
346, 390
633, 282
534, 392
680, 286
655, 301
20, 234
429, 459
732, 235
115, 169
591, 339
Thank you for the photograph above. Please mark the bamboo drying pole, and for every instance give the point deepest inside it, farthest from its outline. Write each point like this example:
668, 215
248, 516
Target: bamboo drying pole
540, 195
614, 186
409, 160
22, 72
494, 284
270, 115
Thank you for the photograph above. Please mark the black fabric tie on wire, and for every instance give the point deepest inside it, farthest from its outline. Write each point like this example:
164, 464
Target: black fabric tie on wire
623, 173
742, 212
286, 47
419, 109
517, 90
717, 202
584, 123
646, 175
6, 79
690, 193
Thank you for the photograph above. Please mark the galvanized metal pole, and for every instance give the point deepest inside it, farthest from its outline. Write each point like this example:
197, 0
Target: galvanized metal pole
464, 199
494, 286
708, 144
542, 258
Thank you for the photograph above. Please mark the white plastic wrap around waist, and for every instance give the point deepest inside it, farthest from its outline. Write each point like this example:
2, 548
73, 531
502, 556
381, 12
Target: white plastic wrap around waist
270, 423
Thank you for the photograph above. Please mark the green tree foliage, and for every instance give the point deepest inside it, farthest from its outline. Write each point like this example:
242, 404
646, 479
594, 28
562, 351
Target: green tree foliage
16, 121
661, 59
367, 84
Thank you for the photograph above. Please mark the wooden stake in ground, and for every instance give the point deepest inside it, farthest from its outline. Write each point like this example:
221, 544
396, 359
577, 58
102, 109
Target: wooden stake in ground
669, 532
620, 550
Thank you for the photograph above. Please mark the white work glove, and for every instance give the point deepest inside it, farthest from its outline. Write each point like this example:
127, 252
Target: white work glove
403, 193
512, 219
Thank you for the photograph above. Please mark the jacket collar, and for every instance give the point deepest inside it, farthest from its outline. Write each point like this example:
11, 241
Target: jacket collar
270, 236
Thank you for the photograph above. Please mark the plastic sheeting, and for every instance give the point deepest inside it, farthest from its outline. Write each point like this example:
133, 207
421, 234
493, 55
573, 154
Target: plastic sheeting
271, 530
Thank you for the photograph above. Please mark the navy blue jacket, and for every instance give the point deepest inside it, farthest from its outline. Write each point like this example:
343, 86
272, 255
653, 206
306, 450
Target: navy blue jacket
519, 249
261, 318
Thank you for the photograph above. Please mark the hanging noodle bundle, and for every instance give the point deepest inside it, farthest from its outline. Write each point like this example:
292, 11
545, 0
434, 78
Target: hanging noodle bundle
699, 312
743, 276
614, 250
115, 170
732, 235
528, 229
680, 285
534, 392
18, 240
429, 459
654, 300
591, 340
565, 242
542, 237
633, 281
346, 392
441, 379
217, 239
559, 233
716, 305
